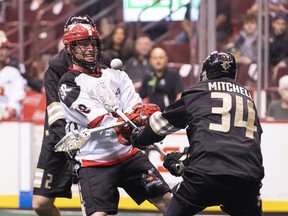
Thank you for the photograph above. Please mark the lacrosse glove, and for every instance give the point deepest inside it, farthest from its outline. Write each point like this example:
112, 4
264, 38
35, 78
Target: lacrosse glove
145, 110
173, 163
124, 132
139, 116
134, 138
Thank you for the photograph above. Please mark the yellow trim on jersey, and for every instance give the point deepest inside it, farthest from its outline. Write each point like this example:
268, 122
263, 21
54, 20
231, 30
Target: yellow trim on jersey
54, 112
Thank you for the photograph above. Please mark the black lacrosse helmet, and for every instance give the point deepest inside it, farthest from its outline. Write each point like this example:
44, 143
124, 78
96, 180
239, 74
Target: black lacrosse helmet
218, 65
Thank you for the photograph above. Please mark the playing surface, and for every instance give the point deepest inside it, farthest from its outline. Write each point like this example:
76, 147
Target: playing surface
7, 212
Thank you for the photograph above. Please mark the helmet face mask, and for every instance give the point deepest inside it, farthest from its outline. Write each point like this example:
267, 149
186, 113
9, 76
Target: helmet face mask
83, 44
218, 65
85, 51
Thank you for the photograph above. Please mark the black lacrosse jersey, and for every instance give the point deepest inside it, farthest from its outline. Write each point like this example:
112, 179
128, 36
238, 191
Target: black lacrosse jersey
224, 130
54, 124
222, 125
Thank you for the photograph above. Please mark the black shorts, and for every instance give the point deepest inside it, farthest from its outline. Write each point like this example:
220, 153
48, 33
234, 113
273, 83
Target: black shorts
237, 196
53, 176
137, 176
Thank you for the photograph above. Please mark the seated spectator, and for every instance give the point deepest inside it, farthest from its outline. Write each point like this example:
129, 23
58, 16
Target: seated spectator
162, 86
138, 65
278, 46
119, 44
12, 87
244, 46
189, 23
278, 109
223, 23
106, 25
13, 61
37, 70
275, 6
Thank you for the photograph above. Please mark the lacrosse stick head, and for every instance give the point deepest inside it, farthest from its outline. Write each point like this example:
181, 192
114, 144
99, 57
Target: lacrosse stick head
104, 95
73, 141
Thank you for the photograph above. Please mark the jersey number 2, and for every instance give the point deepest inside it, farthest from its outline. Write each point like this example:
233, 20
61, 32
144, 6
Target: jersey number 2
225, 110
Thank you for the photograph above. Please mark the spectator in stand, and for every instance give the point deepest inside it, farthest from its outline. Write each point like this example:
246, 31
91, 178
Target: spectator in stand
275, 6
162, 86
278, 109
119, 44
138, 65
244, 46
222, 22
37, 70
189, 22
106, 25
278, 44
12, 86
12, 61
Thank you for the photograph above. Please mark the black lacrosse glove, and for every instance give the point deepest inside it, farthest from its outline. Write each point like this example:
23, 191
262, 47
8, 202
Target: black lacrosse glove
173, 163
134, 138
72, 167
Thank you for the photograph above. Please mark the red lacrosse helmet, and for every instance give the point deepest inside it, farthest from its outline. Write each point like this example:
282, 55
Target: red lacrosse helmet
79, 32
73, 36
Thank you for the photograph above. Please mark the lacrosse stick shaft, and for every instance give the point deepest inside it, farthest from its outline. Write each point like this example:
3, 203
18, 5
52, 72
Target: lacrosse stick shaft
63, 141
93, 130
106, 127
81, 198
126, 119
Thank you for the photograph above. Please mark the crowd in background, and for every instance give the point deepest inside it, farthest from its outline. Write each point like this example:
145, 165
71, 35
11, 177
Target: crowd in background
146, 60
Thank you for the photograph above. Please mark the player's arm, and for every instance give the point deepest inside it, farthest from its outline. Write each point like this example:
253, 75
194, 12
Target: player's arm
55, 117
160, 124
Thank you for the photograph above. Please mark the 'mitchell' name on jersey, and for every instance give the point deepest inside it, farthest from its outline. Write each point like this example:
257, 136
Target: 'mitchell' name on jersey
228, 86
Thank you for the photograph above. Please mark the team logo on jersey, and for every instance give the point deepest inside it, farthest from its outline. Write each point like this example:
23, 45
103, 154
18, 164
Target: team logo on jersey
64, 90
225, 65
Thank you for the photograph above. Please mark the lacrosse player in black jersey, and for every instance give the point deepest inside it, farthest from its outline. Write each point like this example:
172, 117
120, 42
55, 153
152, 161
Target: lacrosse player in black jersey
223, 165
52, 177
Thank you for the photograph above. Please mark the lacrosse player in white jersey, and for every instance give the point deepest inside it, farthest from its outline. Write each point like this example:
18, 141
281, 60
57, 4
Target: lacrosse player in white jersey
12, 86
54, 174
107, 160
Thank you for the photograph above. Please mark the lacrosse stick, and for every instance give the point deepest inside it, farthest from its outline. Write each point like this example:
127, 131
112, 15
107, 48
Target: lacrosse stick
106, 97
74, 140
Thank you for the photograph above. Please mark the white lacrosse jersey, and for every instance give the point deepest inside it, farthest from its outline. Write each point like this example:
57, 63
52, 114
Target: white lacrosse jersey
79, 95
12, 86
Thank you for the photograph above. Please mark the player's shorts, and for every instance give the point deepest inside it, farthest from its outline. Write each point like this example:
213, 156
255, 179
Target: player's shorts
137, 176
53, 174
237, 196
